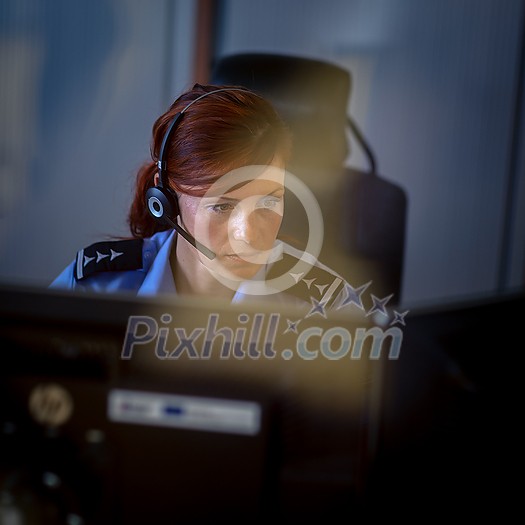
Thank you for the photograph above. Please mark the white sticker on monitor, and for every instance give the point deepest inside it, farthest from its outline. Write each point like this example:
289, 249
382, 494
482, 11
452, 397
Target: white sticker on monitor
190, 412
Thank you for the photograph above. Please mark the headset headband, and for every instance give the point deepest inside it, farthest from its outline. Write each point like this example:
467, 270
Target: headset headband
162, 163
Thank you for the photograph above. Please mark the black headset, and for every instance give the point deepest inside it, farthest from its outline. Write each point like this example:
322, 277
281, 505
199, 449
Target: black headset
161, 200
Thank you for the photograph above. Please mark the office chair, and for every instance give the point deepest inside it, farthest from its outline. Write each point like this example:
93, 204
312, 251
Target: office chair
364, 214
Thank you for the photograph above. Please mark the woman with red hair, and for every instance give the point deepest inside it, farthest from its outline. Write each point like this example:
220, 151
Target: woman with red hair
207, 210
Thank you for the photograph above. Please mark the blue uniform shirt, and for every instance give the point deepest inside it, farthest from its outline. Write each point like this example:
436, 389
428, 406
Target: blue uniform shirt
142, 267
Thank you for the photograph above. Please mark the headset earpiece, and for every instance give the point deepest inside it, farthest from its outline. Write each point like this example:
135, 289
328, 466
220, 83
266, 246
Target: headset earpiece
162, 203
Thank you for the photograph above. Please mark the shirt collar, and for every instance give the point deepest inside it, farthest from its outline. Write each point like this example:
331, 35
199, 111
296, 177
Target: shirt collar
159, 279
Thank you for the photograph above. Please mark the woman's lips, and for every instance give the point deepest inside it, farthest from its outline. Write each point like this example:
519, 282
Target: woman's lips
245, 256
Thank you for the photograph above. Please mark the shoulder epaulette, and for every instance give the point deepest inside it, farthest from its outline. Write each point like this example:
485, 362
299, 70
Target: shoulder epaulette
306, 281
110, 256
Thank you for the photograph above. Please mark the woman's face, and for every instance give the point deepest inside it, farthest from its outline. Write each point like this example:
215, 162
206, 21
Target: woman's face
238, 222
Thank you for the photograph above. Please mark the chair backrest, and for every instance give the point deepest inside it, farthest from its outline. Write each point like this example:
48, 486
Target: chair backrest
310, 95
365, 214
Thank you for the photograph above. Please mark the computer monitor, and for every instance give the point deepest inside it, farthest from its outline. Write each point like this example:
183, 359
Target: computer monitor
115, 409
118, 409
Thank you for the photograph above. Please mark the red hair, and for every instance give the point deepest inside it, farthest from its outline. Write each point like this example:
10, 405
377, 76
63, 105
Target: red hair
223, 131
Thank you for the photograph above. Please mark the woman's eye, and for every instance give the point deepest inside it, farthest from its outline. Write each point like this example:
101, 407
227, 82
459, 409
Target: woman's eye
269, 203
221, 208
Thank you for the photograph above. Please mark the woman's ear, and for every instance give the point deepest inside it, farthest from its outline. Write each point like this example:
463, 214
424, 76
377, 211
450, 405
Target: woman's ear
156, 179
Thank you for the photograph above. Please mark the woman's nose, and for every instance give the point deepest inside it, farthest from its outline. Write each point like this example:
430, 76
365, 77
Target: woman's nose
241, 226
